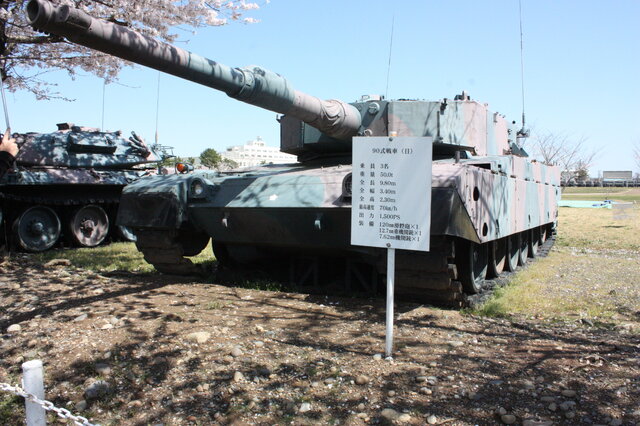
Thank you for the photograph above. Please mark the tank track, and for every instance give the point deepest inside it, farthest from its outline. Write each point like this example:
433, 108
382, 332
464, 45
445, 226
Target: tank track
161, 249
430, 277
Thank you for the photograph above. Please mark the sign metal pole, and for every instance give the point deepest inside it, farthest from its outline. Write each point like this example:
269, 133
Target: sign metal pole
391, 269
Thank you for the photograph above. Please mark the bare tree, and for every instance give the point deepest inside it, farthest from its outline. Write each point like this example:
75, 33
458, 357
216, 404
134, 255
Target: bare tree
25, 55
549, 147
570, 154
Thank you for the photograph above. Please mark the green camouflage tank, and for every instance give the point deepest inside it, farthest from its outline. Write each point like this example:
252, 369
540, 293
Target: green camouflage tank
68, 183
491, 205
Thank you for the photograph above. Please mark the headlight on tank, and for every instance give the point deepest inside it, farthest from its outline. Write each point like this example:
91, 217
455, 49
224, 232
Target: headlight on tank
346, 186
197, 189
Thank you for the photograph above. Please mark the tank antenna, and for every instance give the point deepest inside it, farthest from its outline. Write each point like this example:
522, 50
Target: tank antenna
104, 91
157, 106
386, 93
523, 132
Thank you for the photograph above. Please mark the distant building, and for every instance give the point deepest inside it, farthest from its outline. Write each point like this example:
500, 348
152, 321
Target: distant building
617, 178
257, 152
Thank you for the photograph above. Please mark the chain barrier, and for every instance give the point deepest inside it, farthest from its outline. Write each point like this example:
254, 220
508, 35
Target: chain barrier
47, 405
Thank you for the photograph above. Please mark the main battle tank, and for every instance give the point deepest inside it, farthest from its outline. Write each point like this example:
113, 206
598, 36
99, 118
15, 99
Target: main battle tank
491, 206
68, 183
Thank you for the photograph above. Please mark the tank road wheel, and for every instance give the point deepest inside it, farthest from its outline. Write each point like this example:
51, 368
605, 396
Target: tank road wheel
89, 226
524, 248
543, 234
472, 263
192, 242
126, 233
37, 229
534, 242
513, 252
497, 257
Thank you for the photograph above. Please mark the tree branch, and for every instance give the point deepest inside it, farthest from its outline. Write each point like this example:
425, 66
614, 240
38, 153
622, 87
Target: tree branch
34, 39
58, 58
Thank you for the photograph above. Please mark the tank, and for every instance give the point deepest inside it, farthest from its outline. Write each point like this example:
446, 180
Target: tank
491, 206
67, 185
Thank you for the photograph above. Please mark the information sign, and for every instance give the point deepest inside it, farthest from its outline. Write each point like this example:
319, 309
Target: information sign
391, 192
391, 201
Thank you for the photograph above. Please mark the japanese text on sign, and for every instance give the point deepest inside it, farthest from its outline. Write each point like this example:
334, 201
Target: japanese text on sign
391, 192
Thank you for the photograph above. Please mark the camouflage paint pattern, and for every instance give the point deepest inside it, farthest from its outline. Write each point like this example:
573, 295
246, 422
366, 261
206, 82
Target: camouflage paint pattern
71, 168
83, 147
81, 155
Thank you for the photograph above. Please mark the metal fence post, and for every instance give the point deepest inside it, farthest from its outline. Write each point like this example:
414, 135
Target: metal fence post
33, 382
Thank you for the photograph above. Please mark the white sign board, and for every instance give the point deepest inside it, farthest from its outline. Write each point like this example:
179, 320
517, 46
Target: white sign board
391, 192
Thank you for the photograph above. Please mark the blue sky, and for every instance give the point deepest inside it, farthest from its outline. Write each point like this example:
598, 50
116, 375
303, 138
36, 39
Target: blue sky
582, 64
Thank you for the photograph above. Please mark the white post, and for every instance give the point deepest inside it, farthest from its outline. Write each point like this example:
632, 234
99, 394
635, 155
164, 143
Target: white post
391, 270
33, 382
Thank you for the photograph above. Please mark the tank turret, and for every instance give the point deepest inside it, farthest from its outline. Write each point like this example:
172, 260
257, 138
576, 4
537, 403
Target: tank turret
253, 85
84, 147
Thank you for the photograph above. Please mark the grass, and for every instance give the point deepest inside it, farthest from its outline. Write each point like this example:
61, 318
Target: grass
600, 194
262, 284
591, 190
216, 305
592, 274
597, 229
11, 409
570, 285
112, 257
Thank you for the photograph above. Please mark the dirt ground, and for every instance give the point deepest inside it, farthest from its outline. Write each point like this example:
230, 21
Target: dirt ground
138, 349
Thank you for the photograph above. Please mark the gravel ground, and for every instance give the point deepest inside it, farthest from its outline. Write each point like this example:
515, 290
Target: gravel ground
146, 349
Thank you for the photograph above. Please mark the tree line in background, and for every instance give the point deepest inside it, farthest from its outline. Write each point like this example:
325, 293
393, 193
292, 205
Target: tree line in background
209, 158
27, 56
570, 153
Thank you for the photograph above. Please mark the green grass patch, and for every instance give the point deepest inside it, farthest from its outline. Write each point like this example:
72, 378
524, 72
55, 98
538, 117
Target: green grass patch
111, 257
262, 284
11, 409
591, 190
601, 194
627, 198
598, 229
215, 305
592, 273
569, 285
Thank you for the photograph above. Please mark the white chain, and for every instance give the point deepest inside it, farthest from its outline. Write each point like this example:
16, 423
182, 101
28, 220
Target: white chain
47, 405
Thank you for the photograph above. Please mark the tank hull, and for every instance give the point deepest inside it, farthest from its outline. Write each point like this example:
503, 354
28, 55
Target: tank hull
306, 206
304, 212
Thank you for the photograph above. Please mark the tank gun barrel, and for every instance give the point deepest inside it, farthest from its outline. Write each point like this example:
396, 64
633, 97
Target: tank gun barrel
253, 85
